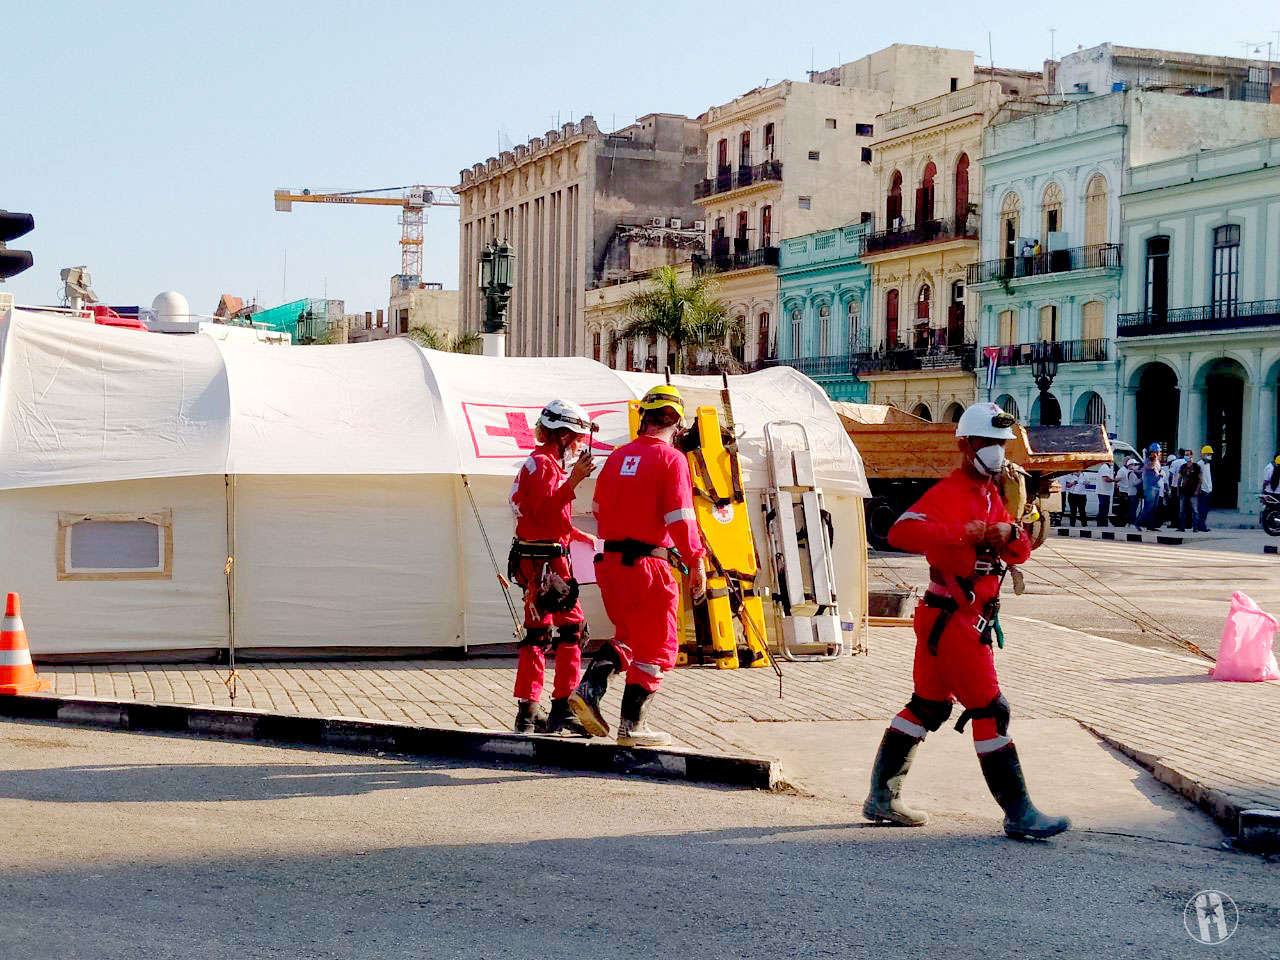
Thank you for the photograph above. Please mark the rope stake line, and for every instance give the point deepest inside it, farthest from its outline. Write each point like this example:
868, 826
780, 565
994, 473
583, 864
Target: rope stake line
502, 581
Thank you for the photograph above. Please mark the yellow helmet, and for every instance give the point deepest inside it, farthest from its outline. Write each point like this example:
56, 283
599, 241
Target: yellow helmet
663, 395
1206, 449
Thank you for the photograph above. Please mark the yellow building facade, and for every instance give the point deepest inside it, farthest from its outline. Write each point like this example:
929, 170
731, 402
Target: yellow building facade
928, 183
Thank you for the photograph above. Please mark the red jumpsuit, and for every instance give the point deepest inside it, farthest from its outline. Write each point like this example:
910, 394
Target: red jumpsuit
964, 666
644, 493
542, 501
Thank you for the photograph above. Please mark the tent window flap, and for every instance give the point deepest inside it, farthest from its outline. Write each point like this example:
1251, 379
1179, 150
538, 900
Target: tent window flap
115, 546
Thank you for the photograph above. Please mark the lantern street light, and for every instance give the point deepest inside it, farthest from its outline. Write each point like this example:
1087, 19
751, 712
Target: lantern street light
1044, 367
497, 263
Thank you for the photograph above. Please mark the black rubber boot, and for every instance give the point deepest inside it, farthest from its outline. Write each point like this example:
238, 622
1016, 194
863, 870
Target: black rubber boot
634, 731
893, 760
562, 721
1022, 820
531, 717
585, 701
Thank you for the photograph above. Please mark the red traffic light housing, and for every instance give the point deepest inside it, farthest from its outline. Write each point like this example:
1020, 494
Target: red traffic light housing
13, 226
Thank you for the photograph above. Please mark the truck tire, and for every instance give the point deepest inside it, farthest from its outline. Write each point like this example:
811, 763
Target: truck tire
882, 513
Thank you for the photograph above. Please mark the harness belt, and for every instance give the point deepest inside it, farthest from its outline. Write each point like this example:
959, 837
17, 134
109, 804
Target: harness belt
538, 549
633, 550
947, 608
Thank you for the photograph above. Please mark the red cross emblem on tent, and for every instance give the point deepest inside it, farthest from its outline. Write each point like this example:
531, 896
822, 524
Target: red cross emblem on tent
505, 432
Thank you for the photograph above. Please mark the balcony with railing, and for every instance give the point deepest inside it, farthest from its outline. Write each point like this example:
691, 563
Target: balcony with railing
722, 261
818, 368
1229, 315
1102, 256
962, 356
928, 231
1063, 351
731, 178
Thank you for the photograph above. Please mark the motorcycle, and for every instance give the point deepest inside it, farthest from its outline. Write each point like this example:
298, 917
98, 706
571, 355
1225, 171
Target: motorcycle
1271, 514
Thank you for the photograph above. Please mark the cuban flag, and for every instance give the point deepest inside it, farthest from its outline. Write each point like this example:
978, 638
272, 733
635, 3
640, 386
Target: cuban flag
993, 362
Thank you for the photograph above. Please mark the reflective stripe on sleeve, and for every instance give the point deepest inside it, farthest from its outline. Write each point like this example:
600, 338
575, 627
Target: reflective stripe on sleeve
15, 658
903, 725
684, 513
912, 515
992, 745
652, 669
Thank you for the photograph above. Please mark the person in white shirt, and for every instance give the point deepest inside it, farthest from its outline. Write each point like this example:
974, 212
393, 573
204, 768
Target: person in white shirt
1271, 477
1127, 485
1106, 477
1076, 498
1206, 488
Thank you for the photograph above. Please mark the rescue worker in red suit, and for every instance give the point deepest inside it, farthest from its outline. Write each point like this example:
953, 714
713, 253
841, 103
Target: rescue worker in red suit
542, 501
963, 529
643, 508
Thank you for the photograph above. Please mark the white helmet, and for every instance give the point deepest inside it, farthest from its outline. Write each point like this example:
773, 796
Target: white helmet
567, 415
986, 420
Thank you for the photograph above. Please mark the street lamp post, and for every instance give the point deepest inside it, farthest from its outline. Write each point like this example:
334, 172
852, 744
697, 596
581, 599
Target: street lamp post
497, 262
1044, 367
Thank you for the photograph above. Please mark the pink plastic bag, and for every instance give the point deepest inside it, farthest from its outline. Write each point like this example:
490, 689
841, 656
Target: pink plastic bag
1245, 651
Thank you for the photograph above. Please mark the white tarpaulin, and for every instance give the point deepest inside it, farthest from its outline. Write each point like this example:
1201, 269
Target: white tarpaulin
330, 473
85, 403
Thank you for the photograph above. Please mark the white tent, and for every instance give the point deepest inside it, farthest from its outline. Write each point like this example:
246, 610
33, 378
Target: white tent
133, 465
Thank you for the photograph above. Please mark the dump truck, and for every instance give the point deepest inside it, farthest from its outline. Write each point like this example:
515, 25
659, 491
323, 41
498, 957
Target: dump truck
905, 455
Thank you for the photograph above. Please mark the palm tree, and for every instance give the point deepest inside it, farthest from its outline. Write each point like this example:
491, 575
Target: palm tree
687, 313
433, 339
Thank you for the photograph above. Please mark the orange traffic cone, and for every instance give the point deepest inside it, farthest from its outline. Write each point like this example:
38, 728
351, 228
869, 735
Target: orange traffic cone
17, 675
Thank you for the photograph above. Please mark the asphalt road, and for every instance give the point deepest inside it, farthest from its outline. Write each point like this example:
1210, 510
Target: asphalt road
1115, 589
122, 846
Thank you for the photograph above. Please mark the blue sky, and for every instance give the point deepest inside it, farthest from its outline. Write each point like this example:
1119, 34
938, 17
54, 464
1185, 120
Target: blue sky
147, 137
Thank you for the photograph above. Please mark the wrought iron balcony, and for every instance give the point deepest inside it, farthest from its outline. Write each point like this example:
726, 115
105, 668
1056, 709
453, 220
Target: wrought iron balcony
930, 231
720, 262
960, 356
1063, 351
1102, 255
839, 365
1219, 316
729, 178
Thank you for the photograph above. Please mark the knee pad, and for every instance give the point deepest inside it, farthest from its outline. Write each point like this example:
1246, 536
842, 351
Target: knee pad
997, 710
535, 637
932, 714
574, 633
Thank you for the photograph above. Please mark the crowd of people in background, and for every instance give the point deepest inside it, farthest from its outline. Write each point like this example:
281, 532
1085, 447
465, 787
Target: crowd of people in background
1160, 489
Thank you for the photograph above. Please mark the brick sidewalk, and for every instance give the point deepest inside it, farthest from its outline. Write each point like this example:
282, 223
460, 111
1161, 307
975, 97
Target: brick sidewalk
1217, 735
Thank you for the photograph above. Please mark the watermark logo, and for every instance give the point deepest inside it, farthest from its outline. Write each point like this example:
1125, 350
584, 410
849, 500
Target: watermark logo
1210, 917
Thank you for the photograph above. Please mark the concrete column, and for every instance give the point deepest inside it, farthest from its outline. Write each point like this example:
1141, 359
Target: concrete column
1184, 438
495, 344
1251, 453
1195, 420
1127, 425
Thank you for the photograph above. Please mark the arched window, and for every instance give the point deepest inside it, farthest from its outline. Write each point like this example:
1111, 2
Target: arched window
1095, 211
893, 204
1008, 328
1091, 321
797, 319
763, 346
923, 298
891, 319
1226, 269
855, 334
631, 354
1007, 404
1050, 212
824, 330
922, 411
738, 339
955, 314
1010, 212
1049, 323
595, 345
961, 213
953, 413
924, 196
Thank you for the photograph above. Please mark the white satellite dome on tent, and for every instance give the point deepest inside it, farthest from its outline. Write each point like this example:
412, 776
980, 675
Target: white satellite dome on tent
132, 467
172, 313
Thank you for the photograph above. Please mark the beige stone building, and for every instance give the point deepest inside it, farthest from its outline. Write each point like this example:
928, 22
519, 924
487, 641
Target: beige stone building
928, 184
795, 158
418, 304
605, 319
563, 200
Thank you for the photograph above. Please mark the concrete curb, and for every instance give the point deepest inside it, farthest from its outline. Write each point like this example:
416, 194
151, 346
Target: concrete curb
1104, 533
486, 746
1254, 829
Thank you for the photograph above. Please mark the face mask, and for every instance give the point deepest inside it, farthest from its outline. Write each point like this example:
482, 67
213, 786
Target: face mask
989, 460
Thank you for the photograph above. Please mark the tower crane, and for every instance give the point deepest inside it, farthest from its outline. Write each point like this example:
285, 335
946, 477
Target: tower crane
413, 201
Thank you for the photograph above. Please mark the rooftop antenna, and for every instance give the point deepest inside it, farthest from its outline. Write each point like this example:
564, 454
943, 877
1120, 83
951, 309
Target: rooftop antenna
1053, 48
991, 57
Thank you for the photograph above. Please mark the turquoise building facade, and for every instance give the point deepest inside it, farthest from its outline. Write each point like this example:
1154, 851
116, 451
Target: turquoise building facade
1051, 260
824, 296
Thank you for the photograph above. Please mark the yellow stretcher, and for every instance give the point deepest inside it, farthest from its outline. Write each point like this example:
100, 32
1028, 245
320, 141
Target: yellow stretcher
731, 631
